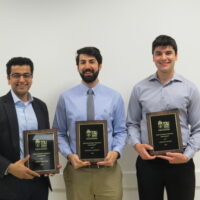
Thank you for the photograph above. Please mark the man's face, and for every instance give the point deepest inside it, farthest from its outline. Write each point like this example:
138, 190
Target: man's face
164, 58
88, 68
20, 80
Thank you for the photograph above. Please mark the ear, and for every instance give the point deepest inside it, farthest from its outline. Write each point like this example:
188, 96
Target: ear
100, 66
176, 56
153, 58
8, 79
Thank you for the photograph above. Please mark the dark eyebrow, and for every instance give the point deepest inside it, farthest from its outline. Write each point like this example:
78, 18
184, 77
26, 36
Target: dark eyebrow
169, 51
92, 59
157, 52
82, 60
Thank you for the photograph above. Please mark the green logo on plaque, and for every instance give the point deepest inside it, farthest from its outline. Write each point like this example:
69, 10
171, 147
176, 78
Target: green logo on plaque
41, 144
163, 125
91, 134
37, 143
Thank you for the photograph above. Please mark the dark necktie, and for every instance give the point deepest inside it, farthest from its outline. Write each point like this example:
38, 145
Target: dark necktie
90, 105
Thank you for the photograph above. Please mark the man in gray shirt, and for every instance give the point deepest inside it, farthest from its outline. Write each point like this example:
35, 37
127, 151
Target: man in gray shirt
165, 90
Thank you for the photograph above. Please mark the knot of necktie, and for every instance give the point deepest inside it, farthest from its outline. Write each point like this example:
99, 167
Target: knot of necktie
90, 92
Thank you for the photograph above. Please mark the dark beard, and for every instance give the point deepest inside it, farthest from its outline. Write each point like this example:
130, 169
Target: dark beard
89, 79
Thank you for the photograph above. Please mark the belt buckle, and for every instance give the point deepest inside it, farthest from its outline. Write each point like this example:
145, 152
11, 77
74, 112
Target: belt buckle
94, 165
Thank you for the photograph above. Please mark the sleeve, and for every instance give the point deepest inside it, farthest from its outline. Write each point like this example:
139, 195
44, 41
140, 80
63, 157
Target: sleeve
194, 120
119, 127
60, 123
4, 162
134, 116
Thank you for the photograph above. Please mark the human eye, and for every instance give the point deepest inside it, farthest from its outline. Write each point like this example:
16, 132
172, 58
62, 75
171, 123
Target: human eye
82, 62
168, 52
158, 53
92, 61
15, 75
27, 75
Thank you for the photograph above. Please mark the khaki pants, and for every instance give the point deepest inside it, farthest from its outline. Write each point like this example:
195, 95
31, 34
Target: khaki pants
93, 183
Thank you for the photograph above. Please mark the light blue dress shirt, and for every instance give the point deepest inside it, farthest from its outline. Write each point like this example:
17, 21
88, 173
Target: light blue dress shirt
26, 118
150, 95
71, 107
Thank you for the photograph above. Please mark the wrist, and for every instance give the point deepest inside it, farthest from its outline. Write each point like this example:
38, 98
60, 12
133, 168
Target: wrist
10, 167
69, 156
136, 146
186, 158
116, 154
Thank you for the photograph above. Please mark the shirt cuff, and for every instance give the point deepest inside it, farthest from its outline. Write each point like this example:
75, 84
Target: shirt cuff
6, 172
189, 152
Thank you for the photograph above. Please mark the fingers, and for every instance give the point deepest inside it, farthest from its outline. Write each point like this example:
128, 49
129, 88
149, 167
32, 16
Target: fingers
142, 150
165, 157
76, 162
174, 158
80, 164
103, 162
19, 170
110, 159
169, 156
33, 173
173, 154
59, 166
141, 147
146, 156
148, 147
27, 173
26, 176
23, 160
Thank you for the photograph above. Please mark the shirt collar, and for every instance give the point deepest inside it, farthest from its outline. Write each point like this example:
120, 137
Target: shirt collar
176, 77
16, 99
84, 88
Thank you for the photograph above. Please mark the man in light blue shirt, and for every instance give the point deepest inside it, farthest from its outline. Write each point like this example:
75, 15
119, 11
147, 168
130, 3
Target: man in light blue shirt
165, 90
19, 111
83, 179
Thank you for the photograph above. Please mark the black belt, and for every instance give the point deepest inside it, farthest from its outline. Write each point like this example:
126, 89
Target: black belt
94, 166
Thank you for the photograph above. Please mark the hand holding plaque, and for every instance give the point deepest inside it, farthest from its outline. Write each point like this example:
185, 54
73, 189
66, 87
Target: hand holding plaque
164, 132
92, 142
42, 147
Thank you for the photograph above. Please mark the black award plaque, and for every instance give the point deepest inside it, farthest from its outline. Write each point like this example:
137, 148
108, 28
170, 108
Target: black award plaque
91, 140
42, 147
164, 132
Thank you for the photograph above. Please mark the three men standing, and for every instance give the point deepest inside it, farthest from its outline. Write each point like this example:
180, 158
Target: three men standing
165, 90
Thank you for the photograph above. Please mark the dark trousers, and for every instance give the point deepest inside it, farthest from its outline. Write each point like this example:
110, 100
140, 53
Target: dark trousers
21, 189
155, 175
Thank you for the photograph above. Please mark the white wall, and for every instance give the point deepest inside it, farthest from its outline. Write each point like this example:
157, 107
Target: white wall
50, 32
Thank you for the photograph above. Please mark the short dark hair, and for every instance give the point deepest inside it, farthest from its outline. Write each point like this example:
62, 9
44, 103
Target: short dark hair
91, 51
164, 40
19, 61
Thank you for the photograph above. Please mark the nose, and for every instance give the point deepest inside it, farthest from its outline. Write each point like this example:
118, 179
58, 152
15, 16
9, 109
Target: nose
163, 56
87, 65
21, 79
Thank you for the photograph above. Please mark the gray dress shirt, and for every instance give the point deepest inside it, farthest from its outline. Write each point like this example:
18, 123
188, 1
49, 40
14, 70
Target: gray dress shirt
150, 95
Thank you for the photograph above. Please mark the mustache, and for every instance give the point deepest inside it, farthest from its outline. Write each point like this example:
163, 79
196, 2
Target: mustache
88, 70
21, 84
